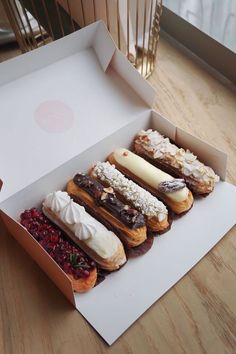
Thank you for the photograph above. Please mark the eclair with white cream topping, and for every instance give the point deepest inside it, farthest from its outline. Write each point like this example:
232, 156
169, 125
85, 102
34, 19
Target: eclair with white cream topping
102, 245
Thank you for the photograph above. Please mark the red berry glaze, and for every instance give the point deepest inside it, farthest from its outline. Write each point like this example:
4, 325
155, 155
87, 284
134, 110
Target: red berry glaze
69, 257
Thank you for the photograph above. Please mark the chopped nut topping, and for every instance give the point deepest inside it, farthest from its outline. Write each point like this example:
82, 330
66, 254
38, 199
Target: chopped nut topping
104, 196
109, 190
161, 148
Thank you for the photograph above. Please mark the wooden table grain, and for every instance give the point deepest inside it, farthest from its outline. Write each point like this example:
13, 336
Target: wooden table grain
198, 315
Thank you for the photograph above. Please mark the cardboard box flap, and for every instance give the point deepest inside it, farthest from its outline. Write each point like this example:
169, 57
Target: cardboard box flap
57, 101
46, 55
103, 45
205, 152
40, 256
128, 73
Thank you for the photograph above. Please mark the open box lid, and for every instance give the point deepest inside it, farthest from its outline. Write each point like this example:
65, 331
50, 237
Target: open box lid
59, 99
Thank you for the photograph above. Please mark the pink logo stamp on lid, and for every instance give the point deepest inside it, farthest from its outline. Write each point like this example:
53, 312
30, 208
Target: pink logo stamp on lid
54, 116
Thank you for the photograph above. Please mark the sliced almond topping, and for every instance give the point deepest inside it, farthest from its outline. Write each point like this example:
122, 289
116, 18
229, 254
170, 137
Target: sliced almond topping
103, 196
109, 190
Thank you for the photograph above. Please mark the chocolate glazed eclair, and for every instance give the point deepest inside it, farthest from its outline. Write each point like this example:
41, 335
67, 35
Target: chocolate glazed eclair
103, 203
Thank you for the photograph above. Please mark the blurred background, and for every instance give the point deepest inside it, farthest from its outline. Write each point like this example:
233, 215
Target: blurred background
216, 18
134, 25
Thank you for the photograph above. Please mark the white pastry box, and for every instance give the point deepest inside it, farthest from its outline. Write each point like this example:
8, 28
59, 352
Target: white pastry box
65, 106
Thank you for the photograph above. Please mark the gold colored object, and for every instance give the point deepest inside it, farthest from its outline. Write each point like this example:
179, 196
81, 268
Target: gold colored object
133, 24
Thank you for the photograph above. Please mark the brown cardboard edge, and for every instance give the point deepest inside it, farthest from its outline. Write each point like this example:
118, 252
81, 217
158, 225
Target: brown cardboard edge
40, 256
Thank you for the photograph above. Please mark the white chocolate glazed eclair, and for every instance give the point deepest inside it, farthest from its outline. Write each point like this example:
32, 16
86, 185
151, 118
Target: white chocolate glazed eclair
160, 151
103, 246
173, 192
155, 211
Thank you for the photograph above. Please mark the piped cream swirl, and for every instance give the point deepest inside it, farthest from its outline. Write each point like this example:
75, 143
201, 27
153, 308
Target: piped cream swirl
56, 201
87, 229
84, 231
72, 213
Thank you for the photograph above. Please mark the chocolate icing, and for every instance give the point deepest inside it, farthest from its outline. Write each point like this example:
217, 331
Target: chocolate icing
106, 198
141, 249
171, 186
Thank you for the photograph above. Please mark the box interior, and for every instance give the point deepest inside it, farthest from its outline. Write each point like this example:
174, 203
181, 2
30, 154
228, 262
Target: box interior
126, 294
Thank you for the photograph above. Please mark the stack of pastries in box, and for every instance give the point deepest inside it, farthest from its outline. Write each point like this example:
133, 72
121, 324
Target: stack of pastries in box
112, 212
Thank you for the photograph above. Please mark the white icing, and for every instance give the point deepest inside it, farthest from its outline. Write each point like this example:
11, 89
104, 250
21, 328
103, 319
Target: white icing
142, 200
94, 234
186, 161
152, 175
84, 231
56, 201
72, 213
102, 241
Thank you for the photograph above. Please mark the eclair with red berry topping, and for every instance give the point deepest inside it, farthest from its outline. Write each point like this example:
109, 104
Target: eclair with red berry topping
102, 245
154, 211
172, 192
181, 163
81, 270
103, 204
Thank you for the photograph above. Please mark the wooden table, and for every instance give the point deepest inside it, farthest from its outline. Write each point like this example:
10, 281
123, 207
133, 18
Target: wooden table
198, 315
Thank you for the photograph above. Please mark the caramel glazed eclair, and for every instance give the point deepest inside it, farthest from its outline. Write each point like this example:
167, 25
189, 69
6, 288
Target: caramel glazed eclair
182, 163
103, 204
155, 212
103, 246
172, 191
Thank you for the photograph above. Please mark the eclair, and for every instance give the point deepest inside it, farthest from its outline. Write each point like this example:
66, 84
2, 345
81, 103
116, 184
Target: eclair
103, 203
172, 191
102, 245
73, 261
155, 212
181, 163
